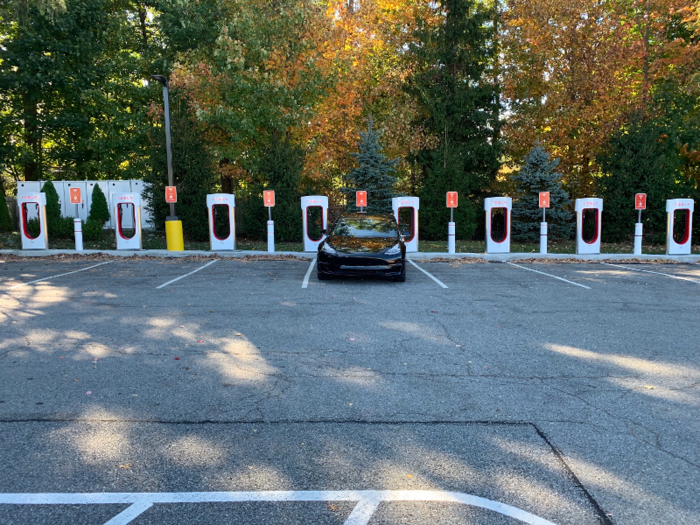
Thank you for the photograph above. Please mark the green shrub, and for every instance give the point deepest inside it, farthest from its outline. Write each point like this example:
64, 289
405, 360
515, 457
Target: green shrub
5, 218
93, 229
99, 209
58, 227
33, 227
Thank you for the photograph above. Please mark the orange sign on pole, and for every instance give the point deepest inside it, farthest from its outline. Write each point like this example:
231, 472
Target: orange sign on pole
75, 197
640, 201
170, 194
544, 199
269, 198
451, 199
361, 199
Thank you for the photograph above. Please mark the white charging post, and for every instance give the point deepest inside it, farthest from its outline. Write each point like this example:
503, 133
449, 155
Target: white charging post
591, 246
681, 247
452, 200
77, 199
501, 243
544, 204
120, 203
640, 203
269, 200
307, 204
413, 205
227, 203
27, 200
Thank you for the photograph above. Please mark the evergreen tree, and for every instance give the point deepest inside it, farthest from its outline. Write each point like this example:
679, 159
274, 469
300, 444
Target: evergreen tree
374, 174
640, 158
537, 174
99, 209
99, 214
280, 170
460, 106
58, 227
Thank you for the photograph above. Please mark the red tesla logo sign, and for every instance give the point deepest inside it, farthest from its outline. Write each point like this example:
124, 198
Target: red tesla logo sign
451, 199
640, 201
361, 199
269, 198
170, 194
544, 199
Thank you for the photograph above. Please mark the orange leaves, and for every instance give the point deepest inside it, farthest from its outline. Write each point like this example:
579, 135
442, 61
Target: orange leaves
574, 69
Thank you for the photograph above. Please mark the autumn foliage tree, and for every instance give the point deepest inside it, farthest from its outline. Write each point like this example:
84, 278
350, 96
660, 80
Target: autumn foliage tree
574, 70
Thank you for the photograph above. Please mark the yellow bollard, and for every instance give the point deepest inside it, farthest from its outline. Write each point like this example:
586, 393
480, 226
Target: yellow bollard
173, 236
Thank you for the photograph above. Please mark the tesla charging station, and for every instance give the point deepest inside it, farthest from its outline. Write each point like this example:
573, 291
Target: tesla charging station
678, 243
410, 230
498, 224
588, 212
222, 204
311, 239
126, 210
32, 205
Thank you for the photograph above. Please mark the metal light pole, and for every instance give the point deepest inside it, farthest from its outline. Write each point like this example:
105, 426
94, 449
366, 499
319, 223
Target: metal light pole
173, 225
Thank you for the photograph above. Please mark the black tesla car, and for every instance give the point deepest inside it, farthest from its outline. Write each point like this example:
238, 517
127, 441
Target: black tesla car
362, 245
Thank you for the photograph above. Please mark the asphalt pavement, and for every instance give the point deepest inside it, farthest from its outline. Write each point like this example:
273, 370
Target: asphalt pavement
245, 392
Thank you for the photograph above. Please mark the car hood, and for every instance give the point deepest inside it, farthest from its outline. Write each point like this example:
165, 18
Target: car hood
365, 244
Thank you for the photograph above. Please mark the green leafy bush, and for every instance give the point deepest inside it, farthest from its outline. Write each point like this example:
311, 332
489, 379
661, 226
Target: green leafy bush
5, 218
33, 227
93, 230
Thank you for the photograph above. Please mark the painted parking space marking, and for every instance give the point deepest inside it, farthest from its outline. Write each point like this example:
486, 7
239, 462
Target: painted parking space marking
696, 281
308, 273
186, 275
367, 501
550, 275
58, 275
428, 274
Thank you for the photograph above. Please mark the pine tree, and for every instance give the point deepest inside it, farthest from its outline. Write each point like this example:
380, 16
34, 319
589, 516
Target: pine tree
374, 174
93, 229
57, 226
537, 174
458, 105
99, 209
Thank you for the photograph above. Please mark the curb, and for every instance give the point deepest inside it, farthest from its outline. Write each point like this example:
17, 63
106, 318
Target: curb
419, 256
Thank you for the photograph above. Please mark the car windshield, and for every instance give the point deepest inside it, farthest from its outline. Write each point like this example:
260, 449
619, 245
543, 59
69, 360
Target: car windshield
365, 227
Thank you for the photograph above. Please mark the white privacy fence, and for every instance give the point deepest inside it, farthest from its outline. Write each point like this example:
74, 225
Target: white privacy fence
108, 187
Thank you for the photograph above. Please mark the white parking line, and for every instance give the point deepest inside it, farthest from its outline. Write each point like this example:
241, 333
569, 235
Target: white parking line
428, 274
187, 274
59, 275
657, 273
367, 501
308, 273
128, 514
550, 275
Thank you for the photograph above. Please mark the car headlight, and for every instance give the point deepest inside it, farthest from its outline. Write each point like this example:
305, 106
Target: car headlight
326, 248
394, 250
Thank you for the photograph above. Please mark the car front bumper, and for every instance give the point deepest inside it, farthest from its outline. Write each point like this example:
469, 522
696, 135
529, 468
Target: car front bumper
360, 265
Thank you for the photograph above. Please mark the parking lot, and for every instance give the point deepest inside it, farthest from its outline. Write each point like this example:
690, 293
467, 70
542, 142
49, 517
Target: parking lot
248, 391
